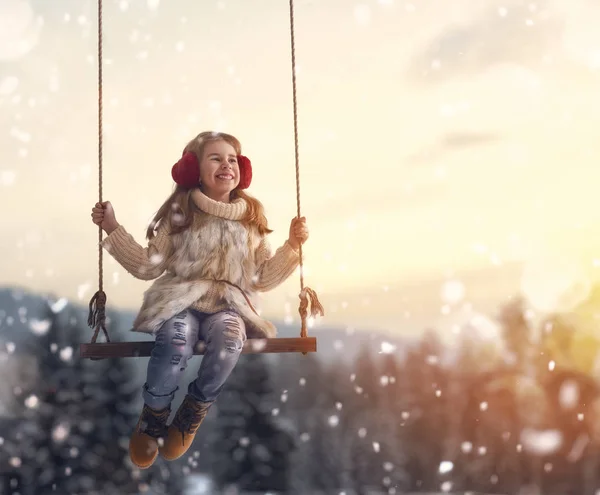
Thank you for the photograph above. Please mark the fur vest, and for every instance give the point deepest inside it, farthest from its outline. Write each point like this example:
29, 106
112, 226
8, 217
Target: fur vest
217, 264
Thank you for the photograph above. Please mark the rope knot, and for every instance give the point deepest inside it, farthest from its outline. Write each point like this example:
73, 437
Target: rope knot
308, 298
97, 315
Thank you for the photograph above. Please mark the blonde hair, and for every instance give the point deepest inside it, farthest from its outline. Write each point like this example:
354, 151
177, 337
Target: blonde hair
180, 201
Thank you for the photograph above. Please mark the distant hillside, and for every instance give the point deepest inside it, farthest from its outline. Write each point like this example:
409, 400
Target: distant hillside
21, 312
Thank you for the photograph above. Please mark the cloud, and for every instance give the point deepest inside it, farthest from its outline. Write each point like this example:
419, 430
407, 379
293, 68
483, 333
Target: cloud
453, 141
457, 140
516, 34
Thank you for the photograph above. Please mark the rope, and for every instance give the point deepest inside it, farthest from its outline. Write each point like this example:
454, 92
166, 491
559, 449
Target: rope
97, 306
307, 295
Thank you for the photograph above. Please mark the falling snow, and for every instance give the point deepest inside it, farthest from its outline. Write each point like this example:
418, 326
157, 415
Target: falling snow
541, 442
344, 418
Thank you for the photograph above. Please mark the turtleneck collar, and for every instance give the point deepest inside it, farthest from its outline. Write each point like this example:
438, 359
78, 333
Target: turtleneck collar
230, 211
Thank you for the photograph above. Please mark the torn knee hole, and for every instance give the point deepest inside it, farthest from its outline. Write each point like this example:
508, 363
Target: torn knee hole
233, 334
233, 345
178, 341
233, 340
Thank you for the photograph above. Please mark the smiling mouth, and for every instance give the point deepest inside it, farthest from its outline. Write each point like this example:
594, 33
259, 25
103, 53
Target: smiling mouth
225, 177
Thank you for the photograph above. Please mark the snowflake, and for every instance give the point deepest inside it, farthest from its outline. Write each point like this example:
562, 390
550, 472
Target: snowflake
57, 306
446, 486
432, 360
7, 177
32, 402
39, 327
19, 29
8, 85
446, 467
82, 290
60, 432
66, 353
258, 344
453, 292
387, 348
569, 394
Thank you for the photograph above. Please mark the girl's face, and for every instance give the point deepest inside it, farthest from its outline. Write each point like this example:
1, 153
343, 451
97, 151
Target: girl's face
219, 170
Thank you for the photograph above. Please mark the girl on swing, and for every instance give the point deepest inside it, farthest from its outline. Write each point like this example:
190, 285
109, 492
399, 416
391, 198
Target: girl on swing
208, 245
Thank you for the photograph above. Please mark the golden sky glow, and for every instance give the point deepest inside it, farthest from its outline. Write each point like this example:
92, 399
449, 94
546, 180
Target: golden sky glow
437, 140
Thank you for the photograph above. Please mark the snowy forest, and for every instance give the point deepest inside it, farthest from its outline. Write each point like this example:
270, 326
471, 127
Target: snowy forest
416, 420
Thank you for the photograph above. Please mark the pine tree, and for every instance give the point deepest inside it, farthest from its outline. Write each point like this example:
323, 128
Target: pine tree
366, 434
330, 438
298, 385
252, 451
392, 420
77, 417
426, 386
53, 412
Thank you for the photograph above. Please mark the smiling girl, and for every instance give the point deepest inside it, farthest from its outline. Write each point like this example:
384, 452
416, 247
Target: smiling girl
209, 253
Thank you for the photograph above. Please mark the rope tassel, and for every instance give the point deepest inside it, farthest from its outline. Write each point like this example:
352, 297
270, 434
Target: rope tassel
97, 315
308, 298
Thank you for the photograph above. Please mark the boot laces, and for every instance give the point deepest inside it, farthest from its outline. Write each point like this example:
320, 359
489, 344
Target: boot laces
189, 418
154, 422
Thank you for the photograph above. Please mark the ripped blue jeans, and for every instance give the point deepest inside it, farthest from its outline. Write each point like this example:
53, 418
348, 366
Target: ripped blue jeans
223, 333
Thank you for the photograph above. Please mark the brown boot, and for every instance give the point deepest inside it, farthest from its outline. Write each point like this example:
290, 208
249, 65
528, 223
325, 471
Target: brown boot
143, 444
182, 431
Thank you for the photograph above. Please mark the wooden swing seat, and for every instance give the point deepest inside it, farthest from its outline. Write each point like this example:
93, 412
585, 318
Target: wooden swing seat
144, 348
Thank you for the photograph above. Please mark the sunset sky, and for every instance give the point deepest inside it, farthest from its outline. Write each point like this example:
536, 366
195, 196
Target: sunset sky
439, 141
